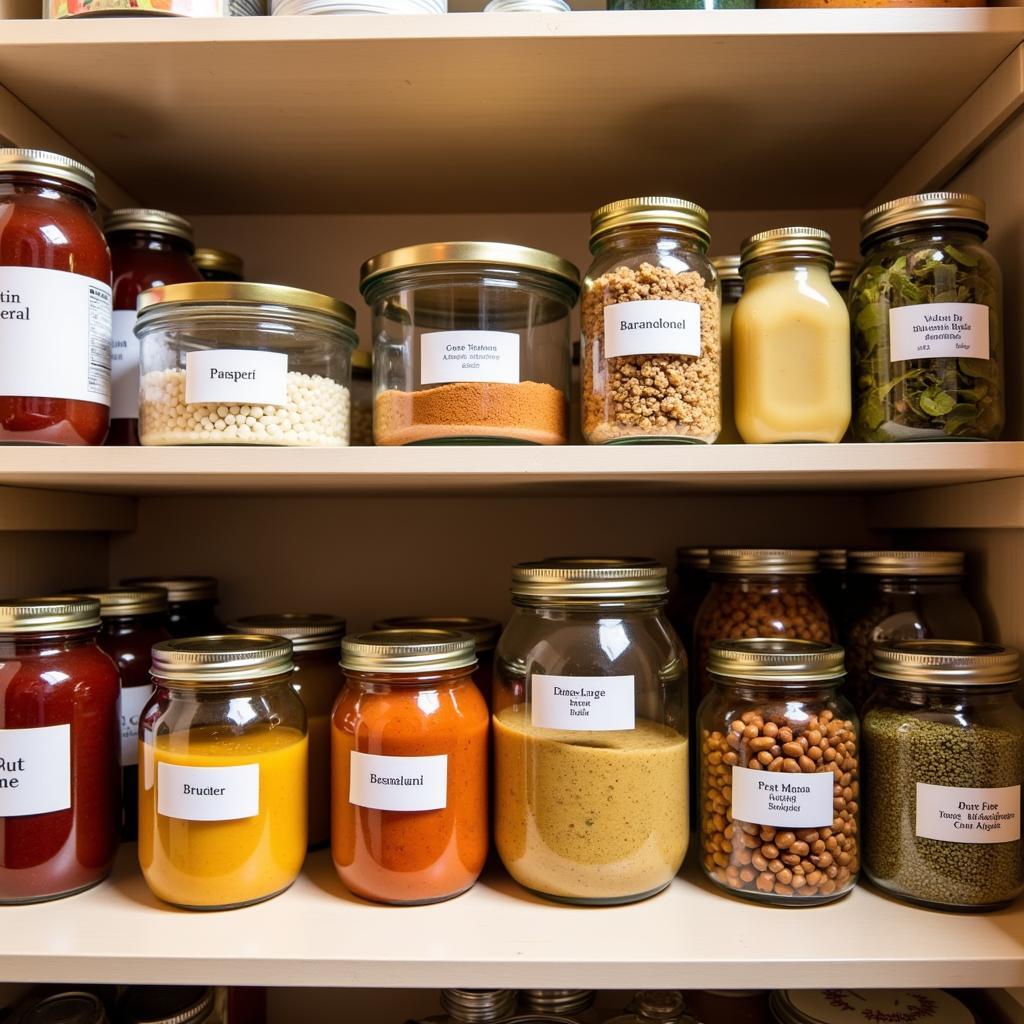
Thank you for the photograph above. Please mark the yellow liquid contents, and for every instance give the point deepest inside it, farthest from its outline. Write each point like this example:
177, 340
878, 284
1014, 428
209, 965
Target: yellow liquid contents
209, 864
590, 815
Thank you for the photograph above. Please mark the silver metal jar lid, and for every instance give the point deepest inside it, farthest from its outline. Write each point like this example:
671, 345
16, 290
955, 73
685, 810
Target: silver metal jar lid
906, 563
649, 210
306, 631
117, 601
728, 268
767, 660
485, 632
47, 165
770, 561
408, 651
49, 614
65, 1008
180, 589
159, 221
477, 1006
561, 1001
590, 578
954, 663
927, 206
844, 272
797, 241
230, 658
144, 1004
657, 1005
834, 1006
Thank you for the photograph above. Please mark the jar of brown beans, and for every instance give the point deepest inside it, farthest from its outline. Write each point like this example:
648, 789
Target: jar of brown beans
779, 772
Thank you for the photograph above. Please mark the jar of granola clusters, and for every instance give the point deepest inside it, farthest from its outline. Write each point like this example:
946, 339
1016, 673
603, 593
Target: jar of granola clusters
652, 348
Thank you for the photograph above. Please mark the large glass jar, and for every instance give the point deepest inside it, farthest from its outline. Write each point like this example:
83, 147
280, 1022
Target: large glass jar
316, 650
655, 1007
779, 773
731, 279
590, 730
471, 343
222, 772
927, 313
148, 249
55, 302
475, 1006
839, 1006
944, 763
902, 595
218, 265
790, 341
63, 1008
228, 363
191, 603
409, 767
651, 325
60, 786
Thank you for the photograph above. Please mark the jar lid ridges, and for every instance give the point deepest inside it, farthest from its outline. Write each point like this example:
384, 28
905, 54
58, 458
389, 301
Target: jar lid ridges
649, 210
925, 206
115, 601
728, 268
590, 578
46, 164
188, 1005
226, 658
906, 563
222, 260
485, 632
49, 614
179, 588
140, 219
789, 241
408, 651
782, 561
478, 1005
946, 662
770, 660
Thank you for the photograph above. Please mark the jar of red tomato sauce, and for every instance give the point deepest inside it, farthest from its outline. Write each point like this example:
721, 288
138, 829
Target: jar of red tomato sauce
60, 740
148, 249
55, 302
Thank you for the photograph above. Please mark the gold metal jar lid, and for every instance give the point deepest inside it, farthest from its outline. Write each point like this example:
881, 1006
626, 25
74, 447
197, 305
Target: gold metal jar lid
927, 206
770, 660
907, 563
728, 268
595, 579
47, 165
844, 272
485, 632
770, 561
219, 261
307, 631
563, 1002
49, 614
228, 658
160, 221
649, 210
799, 241
144, 1004
362, 364
834, 559
698, 559
117, 601
407, 651
180, 589
946, 662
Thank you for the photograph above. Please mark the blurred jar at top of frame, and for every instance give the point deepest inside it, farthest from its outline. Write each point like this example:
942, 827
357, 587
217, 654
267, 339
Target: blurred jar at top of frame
191, 603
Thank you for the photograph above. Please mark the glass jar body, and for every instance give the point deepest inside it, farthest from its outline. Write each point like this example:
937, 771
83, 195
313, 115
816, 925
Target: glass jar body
207, 850
419, 845
56, 297
193, 618
923, 748
590, 726
651, 339
62, 840
954, 390
732, 290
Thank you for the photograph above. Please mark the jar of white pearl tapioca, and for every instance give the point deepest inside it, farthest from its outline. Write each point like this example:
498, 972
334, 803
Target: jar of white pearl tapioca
238, 363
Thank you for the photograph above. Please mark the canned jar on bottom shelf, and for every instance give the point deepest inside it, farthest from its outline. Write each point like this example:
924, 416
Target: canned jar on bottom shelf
839, 1006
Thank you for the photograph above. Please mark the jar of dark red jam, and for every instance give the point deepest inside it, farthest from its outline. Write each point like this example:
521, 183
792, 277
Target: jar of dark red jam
60, 771
192, 603
219, 265
55, 302
148, 248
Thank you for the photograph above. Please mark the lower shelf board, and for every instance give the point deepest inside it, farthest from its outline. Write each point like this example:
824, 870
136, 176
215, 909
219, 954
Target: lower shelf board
497, 935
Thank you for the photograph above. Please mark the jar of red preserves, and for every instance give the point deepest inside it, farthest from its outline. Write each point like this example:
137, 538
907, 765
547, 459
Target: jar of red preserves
55, 302
60, 772
192, 607
148, 249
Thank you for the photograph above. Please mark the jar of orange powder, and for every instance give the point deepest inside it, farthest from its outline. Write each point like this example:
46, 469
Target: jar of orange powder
409, 767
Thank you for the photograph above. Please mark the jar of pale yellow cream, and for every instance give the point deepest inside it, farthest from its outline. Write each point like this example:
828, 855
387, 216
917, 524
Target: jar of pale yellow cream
791, 341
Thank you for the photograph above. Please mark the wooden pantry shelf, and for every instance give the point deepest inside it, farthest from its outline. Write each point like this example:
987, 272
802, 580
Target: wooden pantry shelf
513, 112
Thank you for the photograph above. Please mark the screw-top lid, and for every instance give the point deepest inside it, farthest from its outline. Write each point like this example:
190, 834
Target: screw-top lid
694, 559
485, 632
48, 165
770, 561
180, 589
649, 210
946, 662
117, 601
65, 1008
307, 631
416, 651
844, 272
799, 241
843, 1006
927, 206
478, 1006
907, 563
49, 614
218, 261
659, 1006
145, 1004
728, 268
832, 558
769, 660
561, 1001
362, 364
159, 221
228, 658
595, 579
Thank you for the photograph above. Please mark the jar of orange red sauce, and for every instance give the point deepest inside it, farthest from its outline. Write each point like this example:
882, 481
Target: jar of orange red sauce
409, 767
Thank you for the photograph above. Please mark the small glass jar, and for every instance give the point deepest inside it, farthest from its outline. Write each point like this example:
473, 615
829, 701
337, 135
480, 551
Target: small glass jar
362, 399
191, 603
927, 313
734, 1006
590, 728
779, 773
60, 787
791, 341
759, 592
55, 302
409, 767
226, 363
944, 755
728, 268
222, 773
316, 649
651, 326
902, 595
148, 249
572, 1004
842, 277
832, 586
838, 1006
218, 265
657, 1007
64, 1008
471, 343
166, 1004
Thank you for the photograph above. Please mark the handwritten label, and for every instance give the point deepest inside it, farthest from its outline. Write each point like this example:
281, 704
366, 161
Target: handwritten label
480, 357
208, 794
386, 783
236, 376
939, 330
782, 799
957, 814
652, 327
35, 770
583, 703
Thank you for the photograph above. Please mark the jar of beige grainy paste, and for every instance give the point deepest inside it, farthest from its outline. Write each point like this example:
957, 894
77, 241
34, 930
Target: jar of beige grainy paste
652, 350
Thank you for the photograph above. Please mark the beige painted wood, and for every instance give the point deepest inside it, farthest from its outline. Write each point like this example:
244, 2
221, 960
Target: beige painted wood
991, 505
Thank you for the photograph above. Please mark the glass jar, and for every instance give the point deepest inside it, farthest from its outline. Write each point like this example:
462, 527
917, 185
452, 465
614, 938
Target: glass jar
222, 773
835, 1006
681, 5
166, 1004
64, 1008
475, 1006
832, 586
362, 399
55, 302
775, 713
927, 312
316, 649
791, 341
470, 343
60, 788
226, 363
218, 265
650, 1007
192, 603
692, 585
842, 277
903, 595
728, 268
944, 753
148, 249
759, 592
651, 326
590, 727
570, 1004
729, 1007
409, 767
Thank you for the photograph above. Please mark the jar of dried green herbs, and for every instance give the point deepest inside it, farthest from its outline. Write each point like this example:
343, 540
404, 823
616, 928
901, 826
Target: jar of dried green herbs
926, 315
942, 755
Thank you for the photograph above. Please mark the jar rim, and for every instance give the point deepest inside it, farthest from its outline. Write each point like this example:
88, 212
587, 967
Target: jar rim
906, 563
223, 260
805, 242
957, 664
407, 651
221, 658
179, 589
118, 601
769, 661
728, 268
649, 211
596, 579
922, 207
142, 219
768, 561
49, 165
693, 558
49, 614
307, 631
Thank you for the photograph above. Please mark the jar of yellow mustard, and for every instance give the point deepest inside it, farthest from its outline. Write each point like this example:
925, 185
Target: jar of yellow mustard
222, 772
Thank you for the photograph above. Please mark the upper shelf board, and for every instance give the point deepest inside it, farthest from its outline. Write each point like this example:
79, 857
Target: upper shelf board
513, 112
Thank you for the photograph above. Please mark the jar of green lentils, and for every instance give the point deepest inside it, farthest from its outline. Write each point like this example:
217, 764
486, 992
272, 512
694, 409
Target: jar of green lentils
943, 762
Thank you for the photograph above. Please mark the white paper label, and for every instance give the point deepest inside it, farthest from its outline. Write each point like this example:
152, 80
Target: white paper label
133, 700
35, 770
208, 794
939, 330
652, 327
782, 799
962, 815
583, 703
478, 357
124, 367
236, 377
398, 783
55, 330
